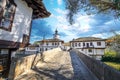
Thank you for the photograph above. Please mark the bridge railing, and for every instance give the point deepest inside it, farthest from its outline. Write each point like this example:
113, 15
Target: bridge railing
98, 68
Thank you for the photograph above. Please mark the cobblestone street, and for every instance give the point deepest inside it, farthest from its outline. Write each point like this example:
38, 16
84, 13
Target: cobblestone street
60, 65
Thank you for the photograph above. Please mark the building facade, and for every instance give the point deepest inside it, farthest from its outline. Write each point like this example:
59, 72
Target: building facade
32, 49
15, 26
91, 46
47, 44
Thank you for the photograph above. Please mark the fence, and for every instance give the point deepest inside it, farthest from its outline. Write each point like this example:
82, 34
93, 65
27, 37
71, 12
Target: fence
101, 70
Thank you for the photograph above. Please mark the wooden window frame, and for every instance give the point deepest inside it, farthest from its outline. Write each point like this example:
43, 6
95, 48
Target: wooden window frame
7, 14
98, 43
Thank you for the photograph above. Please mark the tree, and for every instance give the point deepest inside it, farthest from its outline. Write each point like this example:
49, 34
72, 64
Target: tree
92, 7
114, 43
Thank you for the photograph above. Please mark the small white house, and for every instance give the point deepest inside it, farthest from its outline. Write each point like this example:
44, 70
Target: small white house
48, 44
32, 49
91, 46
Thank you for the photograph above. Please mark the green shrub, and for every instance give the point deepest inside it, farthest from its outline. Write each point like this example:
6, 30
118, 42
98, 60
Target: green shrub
110, 53
110, 56
110, 59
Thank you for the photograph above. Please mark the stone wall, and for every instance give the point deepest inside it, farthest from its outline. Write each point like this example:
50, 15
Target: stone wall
19, 65
101, 70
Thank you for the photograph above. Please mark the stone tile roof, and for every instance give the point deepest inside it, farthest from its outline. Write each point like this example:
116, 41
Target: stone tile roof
88, 39
33, 45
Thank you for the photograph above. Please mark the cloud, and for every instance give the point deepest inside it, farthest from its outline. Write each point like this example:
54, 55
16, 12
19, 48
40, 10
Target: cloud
40, 28
60, 11
63, 34
98, 25
59, 2
103, 35
97, 35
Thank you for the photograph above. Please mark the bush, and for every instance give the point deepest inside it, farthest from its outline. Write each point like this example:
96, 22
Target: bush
110, 53
110, 59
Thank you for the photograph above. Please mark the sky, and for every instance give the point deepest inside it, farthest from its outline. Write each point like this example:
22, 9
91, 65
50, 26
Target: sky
99, 25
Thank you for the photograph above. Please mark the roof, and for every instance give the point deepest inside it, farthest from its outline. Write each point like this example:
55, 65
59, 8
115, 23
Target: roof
33, 45
51, 40
66, 44
84, 39
39, 10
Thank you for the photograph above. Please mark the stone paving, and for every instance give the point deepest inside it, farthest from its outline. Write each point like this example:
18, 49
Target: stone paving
61, 65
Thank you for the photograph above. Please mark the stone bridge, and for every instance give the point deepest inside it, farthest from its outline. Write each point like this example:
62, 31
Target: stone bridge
60, 65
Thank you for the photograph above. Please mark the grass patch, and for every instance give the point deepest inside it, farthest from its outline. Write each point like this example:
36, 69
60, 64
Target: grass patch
114, 65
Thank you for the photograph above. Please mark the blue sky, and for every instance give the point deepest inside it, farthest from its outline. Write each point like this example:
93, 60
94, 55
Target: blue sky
99, 25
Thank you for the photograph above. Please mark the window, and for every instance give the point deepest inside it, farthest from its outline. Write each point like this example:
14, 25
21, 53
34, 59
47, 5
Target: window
83, 44
87, 44
52, 43
55, 43
7, 11
89, 50
91, 44
76, 44
47, 44
79, 44
99, 43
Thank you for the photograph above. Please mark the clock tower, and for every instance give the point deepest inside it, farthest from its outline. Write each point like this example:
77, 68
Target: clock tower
56, 35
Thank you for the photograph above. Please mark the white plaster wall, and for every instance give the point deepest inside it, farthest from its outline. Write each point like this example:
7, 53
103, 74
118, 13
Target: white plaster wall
102, 44
29, 49
100, 51
93, 42
50, 44
21, 23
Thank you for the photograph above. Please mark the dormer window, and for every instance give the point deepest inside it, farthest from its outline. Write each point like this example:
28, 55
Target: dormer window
7, 11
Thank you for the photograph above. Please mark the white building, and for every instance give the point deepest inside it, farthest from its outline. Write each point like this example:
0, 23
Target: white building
91, 46
32, 49
15, 25
47, 44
